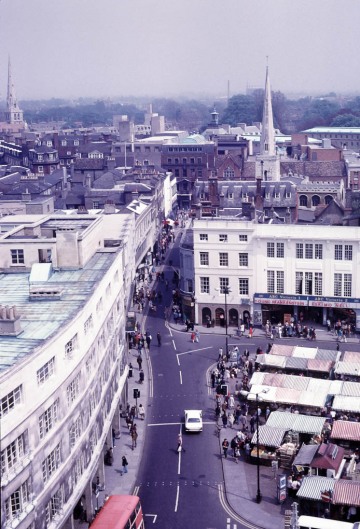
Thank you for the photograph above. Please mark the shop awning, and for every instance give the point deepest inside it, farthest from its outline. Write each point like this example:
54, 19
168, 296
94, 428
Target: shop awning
323, 366
297, 422
348, 368
270, 360
274, 379
287, 395
312, 487
269, 436
327, 354
299, 364
318, 385
257, 378
265, 393
352, 389
296, 382
305, 352
346, 403
346, 493
346, 430
282, 350
351, 356
312, 399
305, 455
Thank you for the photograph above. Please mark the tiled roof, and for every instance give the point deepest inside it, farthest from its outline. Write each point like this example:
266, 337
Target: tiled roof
328, 456
315, 170
82, 164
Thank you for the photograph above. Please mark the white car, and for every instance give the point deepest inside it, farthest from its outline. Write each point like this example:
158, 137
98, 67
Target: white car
193, 421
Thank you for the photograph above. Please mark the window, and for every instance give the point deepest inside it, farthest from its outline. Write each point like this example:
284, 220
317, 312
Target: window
17, 257
348, 252
347, 285
271, 249
48, 419
299, 282
318, 284
46, 371
308, 283
40, 169
11, 400
204, 237
271, 281
75, 431
224, 284
204, 258
88, 325
279, 250
51, 463
71, 346
303, 200
16, 503
338, 252
243, 286
318, 251
204, 285
243, 237
299, 250
279, 281
337, 284
54, 506
223, 259
243, 259
223, 237
14, 452
99, 306
73, 389
308, 251
96, 205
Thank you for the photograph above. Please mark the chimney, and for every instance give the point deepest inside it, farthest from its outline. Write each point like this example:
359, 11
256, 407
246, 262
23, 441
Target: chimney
258, 195
88, 181
9, 321
252, 209
221, 201
109, 207
213, 191
287, 216
26, 197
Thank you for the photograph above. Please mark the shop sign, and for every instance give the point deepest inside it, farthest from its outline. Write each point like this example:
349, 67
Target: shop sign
280, 299
307, 301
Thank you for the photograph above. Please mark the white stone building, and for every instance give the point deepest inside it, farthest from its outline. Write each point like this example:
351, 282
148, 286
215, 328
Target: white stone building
273, 270
63, 365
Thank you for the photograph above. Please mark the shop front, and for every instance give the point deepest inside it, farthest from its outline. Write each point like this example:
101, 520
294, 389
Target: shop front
279, 308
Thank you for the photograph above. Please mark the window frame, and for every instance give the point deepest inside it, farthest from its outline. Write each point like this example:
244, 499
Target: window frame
204, 258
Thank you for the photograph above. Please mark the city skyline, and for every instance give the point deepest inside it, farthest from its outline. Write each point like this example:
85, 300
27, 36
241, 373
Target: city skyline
159, 48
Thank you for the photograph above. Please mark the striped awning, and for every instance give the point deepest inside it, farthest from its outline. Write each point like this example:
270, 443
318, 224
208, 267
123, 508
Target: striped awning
270, 360
297, 422
282, 350
327, 354
351, 356
312, 487
305, 352
323, 366
346, 430
346, 403
274, 379
296, 382
318, 385
352, 389
269, 436
346, 493
287, 395
314, 399
257, 378
300, 364
348, 368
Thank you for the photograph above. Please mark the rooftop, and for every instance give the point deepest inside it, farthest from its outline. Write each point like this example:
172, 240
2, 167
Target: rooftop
42, 319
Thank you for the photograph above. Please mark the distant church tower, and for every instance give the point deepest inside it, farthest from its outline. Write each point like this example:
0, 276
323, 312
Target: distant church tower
13, 114
267, 162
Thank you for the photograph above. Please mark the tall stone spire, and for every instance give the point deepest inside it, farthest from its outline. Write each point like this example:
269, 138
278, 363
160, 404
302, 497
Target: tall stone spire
13, 113
267, 140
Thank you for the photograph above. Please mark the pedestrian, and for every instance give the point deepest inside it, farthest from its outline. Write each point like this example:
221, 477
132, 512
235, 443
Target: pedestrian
224, 419
267, 412
231, 419
158, 336
139, 361
237, 453
252, 424
225, 447
217, 412
134, 436
109, 457
192, 336
231, 402
141, 376
179, 443
197, 336
113, 437
141, 412
148, 340
251, 331
124, 464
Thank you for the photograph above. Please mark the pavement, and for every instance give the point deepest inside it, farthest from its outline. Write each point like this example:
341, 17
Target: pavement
240, 479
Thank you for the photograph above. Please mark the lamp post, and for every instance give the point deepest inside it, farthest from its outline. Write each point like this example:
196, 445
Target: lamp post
258, 494
246, 394
226, 292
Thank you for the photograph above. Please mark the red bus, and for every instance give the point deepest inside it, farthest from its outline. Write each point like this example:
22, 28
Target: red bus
120, 512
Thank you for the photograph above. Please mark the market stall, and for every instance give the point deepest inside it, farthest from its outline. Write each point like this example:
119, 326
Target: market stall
270, 439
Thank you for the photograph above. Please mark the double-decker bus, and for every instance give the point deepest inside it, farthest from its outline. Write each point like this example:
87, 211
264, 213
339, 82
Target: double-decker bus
120, 512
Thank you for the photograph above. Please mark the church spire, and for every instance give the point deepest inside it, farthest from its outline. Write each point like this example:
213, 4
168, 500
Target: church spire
267, 140
13, 113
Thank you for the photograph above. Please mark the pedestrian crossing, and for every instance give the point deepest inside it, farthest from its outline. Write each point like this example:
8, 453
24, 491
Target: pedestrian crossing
180, 483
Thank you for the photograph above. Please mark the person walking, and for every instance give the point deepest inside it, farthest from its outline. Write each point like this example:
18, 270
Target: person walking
231, 419
180, 447
192, 336
134, 436
124, 463
225, 447
139, 361
224, 419
252, 424
148, 340
197, 336
158, 336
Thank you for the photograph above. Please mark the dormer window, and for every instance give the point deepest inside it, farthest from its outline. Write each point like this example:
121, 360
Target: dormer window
231, 195
63, 143
76, 142
49, 143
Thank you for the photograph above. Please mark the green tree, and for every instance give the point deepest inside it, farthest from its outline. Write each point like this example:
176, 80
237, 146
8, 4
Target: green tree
346, 120
241, 109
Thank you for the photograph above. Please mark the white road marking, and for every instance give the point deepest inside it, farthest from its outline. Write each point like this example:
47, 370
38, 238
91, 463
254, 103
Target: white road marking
153, 515
177, 359
177, 498
180, 377
174, 344
195, 350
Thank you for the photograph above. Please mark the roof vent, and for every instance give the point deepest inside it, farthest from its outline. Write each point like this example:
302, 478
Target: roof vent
9, 321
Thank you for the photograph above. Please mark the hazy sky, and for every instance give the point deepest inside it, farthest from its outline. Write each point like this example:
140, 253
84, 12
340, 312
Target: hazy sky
73, 48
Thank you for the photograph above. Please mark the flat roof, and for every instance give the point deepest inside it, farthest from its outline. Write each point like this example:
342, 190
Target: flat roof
41, 319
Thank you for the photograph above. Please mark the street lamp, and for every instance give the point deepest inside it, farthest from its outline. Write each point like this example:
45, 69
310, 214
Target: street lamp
257, 398
226, 290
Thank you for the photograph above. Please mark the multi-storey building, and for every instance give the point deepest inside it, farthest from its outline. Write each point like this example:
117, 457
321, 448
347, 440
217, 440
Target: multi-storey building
63, 363
343, 137
272, 270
